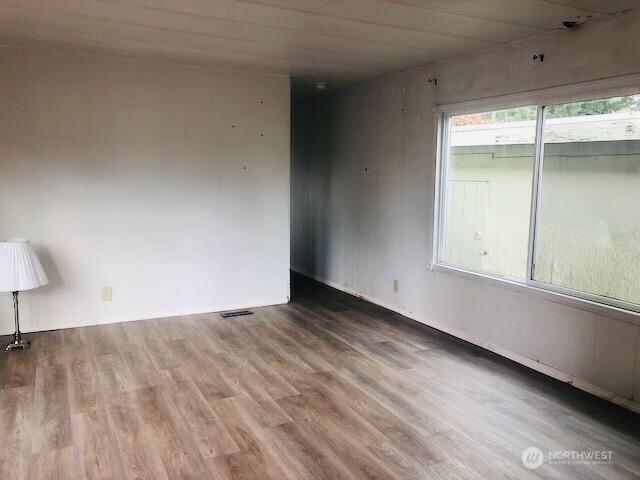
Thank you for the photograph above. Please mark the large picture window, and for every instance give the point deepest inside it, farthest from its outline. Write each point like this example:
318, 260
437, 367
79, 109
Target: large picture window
546, 195
491, 159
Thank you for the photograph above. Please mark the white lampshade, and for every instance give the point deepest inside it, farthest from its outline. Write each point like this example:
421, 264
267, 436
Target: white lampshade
20, 268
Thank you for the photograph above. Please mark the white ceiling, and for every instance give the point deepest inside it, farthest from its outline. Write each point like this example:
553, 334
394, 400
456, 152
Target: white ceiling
339, 41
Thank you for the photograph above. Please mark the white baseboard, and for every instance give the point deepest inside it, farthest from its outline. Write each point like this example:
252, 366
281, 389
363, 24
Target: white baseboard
516, 357
201, 311
153, 315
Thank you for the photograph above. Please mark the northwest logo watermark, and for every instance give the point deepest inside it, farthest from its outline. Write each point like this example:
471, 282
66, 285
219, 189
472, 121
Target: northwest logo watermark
533, 457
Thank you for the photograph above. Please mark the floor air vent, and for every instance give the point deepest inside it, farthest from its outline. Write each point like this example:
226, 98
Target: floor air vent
237, 313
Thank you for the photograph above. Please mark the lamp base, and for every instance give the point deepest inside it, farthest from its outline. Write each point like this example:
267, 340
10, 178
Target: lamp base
18, 343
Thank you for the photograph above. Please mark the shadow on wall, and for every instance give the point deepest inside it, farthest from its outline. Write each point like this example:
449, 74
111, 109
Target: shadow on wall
309, 192
55, 279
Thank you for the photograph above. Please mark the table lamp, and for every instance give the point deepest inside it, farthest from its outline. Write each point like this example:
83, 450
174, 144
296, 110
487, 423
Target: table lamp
20, 270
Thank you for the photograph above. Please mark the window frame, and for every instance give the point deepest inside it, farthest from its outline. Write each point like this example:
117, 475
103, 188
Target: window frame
619, 86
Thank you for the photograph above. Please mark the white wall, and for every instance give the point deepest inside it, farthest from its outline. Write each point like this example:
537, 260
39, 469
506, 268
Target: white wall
362, 205
168, 183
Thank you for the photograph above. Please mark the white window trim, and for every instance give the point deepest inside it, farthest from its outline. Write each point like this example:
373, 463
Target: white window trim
618, 86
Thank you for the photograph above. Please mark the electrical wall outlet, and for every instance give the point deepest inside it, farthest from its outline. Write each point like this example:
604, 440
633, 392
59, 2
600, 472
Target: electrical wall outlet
107, 294
396, 285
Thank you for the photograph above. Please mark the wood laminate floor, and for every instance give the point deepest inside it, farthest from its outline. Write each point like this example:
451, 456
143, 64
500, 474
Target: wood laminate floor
328, 386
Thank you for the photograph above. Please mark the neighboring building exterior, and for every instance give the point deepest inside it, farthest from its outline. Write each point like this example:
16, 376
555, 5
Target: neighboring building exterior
588, 234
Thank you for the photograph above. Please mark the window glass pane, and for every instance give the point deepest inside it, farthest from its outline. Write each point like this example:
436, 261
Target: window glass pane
488, 190
588, 230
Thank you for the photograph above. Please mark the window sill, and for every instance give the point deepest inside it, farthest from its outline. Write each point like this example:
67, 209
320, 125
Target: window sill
590, 306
